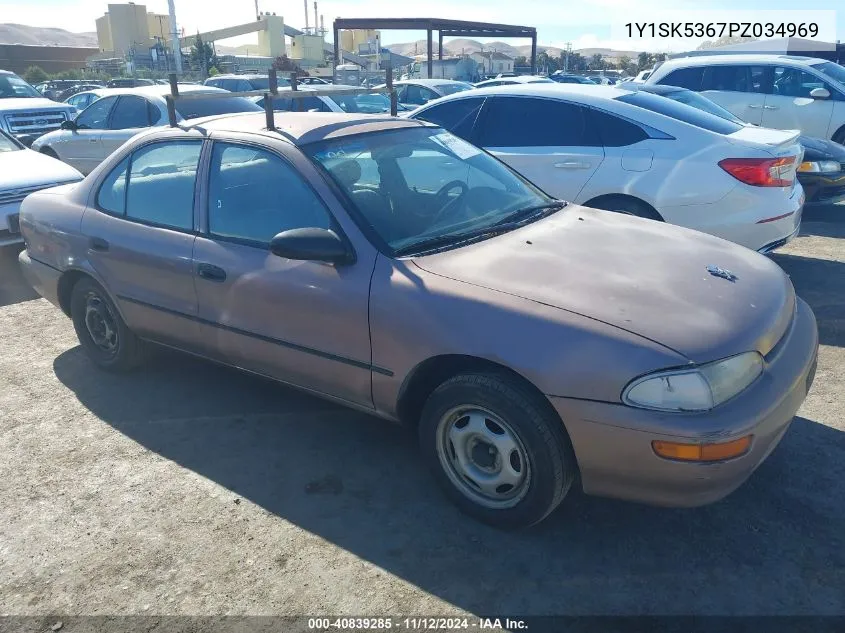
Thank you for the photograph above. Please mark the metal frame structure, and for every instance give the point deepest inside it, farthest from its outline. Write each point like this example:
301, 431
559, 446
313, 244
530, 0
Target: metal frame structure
444, 28
273, 92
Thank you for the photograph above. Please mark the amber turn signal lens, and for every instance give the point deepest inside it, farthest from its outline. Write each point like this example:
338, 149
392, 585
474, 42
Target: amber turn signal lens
702, 452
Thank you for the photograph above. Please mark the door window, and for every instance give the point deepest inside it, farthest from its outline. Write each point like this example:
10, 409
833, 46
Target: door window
162, 178
95, 117
733, 78
689, 78
112, 194
529, 122
418, 95
791, 82
130, 112
254, 194
457, 116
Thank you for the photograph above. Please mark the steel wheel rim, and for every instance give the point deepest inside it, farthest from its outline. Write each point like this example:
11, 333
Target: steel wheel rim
101, 324
483, 457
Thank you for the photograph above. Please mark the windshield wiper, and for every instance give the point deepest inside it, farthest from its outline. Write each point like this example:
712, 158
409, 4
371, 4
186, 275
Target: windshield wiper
509, 223
528, 212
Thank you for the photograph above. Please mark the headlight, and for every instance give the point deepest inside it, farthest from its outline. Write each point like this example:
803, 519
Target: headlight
696, 389
819, 167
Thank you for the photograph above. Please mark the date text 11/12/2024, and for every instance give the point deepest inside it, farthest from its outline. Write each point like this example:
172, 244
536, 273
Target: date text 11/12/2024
415, 624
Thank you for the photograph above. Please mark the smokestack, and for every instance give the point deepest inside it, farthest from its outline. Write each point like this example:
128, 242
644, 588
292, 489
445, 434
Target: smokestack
322, 26
315, 17
174, 38
305, 2
257, 12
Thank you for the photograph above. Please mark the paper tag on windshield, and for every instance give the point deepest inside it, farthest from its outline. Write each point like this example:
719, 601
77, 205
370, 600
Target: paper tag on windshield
457, 146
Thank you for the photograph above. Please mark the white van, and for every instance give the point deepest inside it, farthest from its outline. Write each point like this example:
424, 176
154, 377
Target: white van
776, 91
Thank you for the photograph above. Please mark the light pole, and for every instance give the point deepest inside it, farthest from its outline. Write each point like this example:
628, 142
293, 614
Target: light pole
174, 35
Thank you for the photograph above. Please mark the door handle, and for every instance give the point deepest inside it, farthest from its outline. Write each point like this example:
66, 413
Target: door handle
93, 140
573, 165
98, 244
753, 106
771, 108
211, 272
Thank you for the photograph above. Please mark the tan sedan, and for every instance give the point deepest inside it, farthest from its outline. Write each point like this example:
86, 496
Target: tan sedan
388, 265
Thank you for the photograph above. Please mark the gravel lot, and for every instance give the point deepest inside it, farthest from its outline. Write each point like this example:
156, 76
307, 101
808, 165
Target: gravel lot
188, 488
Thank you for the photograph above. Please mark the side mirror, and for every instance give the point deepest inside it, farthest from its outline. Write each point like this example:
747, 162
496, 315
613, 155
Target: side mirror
68, 125
312, 244
820, 93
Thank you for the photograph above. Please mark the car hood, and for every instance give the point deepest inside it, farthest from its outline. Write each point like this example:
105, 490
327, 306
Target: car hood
646, 277
26, 168
821, 149
33, 103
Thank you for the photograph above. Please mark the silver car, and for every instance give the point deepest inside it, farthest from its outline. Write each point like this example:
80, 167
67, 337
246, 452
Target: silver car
119, 114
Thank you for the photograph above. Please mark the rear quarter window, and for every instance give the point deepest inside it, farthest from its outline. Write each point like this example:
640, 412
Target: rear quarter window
680, 112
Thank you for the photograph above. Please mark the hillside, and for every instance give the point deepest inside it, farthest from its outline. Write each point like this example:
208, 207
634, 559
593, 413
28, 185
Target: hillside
467, 46
41, 36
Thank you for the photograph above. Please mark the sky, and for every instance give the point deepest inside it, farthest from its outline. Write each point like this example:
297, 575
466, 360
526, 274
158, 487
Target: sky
584, 23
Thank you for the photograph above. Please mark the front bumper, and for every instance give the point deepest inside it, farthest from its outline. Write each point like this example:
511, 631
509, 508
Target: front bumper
10, 228
43, 278
612, 442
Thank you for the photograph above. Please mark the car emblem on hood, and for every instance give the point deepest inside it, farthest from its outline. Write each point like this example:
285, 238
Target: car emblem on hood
721, 272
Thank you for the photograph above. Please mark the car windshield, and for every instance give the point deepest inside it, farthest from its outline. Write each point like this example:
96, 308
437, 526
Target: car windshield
423, 189
13, 86
196, 108
681, 112
690, 98
7, 144
364, 103
450, 89
834, 71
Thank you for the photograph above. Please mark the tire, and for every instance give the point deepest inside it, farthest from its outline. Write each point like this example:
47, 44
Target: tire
460, 421
629, 206
101, 330
839, 136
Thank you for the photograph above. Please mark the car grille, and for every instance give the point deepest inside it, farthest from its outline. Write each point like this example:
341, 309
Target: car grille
17, 195
35, 122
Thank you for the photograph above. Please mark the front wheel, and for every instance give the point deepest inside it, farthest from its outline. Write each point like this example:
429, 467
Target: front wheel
498, 451
101, 330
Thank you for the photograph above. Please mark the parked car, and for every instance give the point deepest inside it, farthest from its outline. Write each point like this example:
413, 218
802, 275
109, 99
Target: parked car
130, 82
513, 81
775, 91
25, 113
82, 100
113, 119
371, 103
643, 75
414, 92
822, 170
570, 79
66, 94
22, 172
243, 83
531, 343
640, 154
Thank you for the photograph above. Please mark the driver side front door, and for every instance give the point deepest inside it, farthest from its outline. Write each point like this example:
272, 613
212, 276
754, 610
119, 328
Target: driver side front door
82, 147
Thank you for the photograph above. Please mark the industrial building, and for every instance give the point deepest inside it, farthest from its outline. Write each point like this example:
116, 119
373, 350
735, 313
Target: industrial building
53, 59
127, 27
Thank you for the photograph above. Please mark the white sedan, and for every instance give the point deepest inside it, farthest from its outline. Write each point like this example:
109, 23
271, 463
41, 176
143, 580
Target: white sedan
23, 172
638, 153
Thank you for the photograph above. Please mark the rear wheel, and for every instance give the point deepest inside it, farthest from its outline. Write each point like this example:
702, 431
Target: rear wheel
101, 330
628, 206
497, 450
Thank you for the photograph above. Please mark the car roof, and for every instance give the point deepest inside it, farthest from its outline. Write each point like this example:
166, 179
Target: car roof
742, 58
301, 128
244, 76
522, 79
428, 82
584, 93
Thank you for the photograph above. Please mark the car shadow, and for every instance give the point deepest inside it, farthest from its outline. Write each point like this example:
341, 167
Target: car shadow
821, 283
13, 287
774, 546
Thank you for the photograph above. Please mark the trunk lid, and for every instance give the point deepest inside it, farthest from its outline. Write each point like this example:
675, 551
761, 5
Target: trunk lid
642, 276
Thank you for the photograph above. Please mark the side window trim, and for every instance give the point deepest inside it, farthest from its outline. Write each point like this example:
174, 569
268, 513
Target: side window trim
204, 209
129, 157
